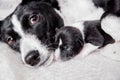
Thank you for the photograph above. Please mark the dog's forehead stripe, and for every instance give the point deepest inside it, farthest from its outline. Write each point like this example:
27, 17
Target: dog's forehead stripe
17, 26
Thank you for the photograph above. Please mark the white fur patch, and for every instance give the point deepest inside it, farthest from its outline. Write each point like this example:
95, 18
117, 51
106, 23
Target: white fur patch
87, 49
111, 25
60, 43
58, 52
17, 26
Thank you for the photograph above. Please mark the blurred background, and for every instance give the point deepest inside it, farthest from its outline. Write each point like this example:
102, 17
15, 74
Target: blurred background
7, 6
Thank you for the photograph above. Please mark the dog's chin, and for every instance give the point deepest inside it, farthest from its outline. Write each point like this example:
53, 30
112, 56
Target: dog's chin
46, 62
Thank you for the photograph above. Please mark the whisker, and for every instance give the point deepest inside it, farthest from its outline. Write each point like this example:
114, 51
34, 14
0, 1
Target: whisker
52, 48
52, 44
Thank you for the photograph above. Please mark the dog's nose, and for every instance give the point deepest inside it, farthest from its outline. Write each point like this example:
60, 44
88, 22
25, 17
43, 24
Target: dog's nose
33, 58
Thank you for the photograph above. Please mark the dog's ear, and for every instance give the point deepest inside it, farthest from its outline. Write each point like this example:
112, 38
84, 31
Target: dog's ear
54, 3
27, 1
1, 22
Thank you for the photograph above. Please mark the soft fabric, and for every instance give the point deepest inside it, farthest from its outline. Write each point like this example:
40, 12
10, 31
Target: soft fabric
103, 64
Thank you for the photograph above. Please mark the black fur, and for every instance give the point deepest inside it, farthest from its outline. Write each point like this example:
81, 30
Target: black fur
110, 6
1, 22
53, 3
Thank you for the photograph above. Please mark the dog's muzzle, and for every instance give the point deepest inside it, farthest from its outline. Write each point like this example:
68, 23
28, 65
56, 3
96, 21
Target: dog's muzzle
33, 52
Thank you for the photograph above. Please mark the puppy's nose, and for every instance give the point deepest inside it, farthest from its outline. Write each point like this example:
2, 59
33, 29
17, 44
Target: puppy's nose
33, 58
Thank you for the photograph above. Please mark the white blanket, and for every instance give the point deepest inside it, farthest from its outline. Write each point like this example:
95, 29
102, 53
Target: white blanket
103, 64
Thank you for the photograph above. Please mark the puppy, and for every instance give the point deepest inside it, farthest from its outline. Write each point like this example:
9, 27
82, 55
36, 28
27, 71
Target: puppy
70, 42
82, 37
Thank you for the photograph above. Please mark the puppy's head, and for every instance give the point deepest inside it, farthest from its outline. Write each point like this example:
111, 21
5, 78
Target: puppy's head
70, 43
30, 29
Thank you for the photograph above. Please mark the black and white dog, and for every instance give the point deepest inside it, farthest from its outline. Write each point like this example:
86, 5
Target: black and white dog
31, 30
36, 30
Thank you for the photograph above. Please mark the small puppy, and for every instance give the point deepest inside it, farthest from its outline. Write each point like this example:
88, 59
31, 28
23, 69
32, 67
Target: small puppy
83, 38
70, 42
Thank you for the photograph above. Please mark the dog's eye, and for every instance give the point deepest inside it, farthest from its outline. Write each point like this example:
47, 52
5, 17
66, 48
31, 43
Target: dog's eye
34, 19
9, 40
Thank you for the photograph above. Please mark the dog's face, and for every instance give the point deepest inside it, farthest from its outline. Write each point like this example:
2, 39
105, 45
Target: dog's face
30, 29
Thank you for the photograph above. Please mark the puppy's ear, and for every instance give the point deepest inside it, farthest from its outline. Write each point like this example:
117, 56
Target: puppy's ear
54, 3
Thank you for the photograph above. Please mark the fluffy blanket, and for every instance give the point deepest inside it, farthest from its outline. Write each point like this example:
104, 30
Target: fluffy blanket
103, 64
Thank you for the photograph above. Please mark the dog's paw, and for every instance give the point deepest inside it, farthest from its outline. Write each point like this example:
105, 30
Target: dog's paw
70, 43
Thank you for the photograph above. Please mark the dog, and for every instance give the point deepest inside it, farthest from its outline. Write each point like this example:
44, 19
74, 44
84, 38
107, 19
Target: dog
32, 30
